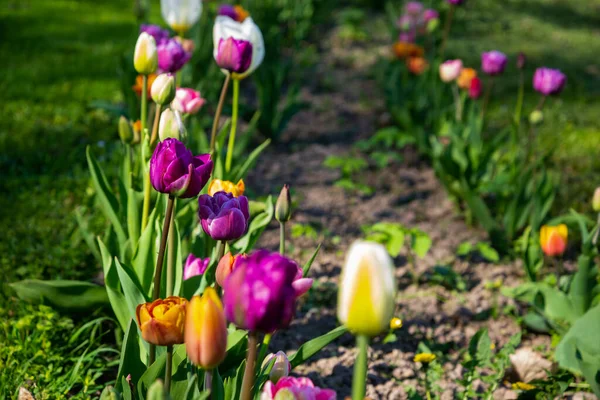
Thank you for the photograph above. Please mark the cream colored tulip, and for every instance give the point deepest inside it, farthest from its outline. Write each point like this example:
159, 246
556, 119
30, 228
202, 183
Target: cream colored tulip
181, 15
367, 291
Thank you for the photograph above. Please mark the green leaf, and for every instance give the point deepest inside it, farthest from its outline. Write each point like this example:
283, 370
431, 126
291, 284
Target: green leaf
144, 256
107, 199
480, 347
157, 371
421, 245
88, 236
113, 287
70, 296
580, 291
306, 268
257, 226
250, 160
488, 252
134, 295
580, 347
130, 361
134, 220
313, 346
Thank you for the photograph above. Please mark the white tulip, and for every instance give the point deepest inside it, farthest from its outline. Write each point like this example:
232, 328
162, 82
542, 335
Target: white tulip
226, 27
367, 293
181, 14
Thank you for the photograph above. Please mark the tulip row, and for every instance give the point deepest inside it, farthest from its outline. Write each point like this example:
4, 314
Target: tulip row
202, 327
495, 176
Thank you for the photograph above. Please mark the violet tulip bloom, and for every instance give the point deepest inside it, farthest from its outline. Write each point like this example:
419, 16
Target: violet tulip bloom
194, 266
259, 294
493, 62
171, 56
228, 11
159, 34
456, 2
187, 101
430, 14
295, 388
234, 55
413, 8
549, 81
174, 170
223, 216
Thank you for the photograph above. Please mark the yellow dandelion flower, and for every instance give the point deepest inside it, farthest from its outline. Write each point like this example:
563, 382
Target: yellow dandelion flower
522, 386
395, 323
424, 358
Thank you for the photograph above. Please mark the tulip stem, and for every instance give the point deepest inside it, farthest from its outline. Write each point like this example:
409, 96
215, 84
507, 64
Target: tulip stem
282, 238
248, 380
234, 118
208, 381
360, 368
171, 254
447, 27
488, 94
169, 368
144, 121
519, 108
595, 237
215, 126
155, 125
159, 264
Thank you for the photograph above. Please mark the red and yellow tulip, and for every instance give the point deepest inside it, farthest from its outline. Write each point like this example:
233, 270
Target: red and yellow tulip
162, 321
553, 239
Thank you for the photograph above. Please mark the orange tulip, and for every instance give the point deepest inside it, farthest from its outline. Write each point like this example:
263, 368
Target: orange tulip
217, 185
417, 65
405, 50
162, 321
139, 84
553, 239
225, 267
465, 78
206, 330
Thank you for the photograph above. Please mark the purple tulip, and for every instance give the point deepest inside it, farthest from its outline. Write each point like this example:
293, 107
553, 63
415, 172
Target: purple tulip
171, 56
159, 34
407, 37
234, 55
456, 2
549, 81
430, 14
224, 217
228, 11
413, 8
493, 62
174, 170
259, 294
194, 266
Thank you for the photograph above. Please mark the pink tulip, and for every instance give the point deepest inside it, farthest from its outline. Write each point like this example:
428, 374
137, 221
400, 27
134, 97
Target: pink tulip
187, 101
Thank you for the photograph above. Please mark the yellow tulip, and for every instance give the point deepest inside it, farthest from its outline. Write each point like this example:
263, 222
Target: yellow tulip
217, 185
206, 330
162, 321
367, 289
553, 239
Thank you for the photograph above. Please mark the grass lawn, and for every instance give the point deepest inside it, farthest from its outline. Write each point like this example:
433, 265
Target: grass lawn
58, 56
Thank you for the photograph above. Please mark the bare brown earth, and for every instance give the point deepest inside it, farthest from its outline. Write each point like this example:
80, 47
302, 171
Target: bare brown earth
408, 193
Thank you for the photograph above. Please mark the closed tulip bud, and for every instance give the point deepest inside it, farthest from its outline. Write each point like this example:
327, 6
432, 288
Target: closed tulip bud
157, 391
145, 58
236, 189
450, 70
206, 330
226, 266
465, 78
163, 89
171, 126
521, 60
549, 81
125, 130
224, 217
283, 207
476, 88
536, 117
162, 321
181, 14
367, 292
281, 366
596, 200
553, 239
109, 393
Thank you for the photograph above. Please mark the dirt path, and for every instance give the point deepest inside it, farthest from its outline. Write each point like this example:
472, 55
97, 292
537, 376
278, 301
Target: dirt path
406, 193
